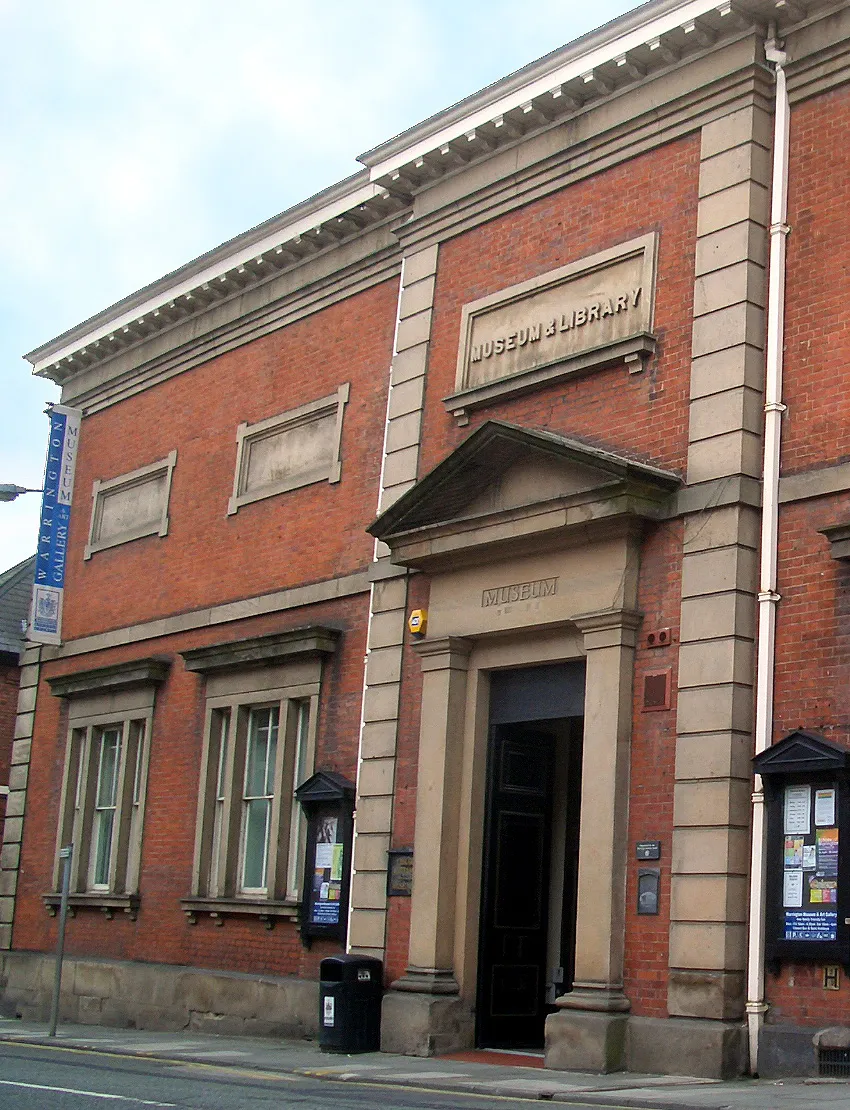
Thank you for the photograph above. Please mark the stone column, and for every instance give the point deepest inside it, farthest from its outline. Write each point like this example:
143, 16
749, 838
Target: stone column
419, 1018
708, 898
589, 1031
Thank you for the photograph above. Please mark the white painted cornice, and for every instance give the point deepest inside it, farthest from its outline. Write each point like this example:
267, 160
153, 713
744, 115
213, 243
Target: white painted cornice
656, 36
323, 221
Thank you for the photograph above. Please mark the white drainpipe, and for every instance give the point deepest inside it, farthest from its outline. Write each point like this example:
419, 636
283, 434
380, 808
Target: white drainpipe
768, 597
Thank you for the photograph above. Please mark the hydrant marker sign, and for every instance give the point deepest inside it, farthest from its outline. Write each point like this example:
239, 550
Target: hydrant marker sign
48, 589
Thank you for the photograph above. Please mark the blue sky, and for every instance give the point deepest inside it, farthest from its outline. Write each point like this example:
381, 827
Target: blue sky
135, 138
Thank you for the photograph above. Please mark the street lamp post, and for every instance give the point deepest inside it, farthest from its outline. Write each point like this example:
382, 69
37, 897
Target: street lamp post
8, 491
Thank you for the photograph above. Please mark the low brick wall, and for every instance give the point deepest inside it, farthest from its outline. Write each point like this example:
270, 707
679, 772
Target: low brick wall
158, 996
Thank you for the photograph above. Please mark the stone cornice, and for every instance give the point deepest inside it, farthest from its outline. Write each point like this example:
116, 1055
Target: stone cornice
617, 56
262, 650
323, 223
119, 676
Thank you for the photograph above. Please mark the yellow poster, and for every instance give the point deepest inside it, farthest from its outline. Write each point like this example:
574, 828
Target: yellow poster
336, 863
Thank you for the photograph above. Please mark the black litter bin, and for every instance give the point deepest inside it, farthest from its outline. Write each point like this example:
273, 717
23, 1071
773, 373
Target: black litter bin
350, 991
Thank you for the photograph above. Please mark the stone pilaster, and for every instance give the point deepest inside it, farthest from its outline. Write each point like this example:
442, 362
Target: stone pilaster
588, 1032
387, 617
719, 576
420, 1012
10, 854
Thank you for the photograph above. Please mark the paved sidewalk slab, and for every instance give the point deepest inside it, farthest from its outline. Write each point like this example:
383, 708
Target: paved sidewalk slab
304, 1058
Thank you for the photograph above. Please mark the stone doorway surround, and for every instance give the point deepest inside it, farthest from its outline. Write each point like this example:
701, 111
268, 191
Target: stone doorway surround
532, 541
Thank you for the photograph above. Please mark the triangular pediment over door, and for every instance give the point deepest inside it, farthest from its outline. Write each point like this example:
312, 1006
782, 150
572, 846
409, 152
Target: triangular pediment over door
513, 489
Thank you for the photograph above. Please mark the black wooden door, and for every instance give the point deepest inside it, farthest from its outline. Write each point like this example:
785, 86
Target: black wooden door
515, 896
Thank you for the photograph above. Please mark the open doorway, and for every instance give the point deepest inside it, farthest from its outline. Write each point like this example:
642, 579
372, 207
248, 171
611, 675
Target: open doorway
530, 864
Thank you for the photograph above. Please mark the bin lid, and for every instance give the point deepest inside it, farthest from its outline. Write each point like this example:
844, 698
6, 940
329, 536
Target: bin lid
347, 965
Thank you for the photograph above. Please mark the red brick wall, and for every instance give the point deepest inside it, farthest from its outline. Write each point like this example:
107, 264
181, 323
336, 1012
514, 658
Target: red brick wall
209, 557
162, 933
642, 415
653, 751
812, 688
404, 805
816, 427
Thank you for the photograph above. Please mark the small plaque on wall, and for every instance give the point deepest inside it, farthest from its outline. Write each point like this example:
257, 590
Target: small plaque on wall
400, 873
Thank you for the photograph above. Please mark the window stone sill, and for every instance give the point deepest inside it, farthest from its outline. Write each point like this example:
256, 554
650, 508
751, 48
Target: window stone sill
218, 909
107, 903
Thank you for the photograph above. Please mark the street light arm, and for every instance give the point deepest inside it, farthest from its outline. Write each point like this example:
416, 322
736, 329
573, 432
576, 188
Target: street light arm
9, 492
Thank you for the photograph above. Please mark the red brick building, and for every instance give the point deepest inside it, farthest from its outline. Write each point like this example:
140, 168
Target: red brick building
458, 493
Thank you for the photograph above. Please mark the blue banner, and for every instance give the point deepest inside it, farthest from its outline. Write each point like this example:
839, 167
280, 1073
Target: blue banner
51, 556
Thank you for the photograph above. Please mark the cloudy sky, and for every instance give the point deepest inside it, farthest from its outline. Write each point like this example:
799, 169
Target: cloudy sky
135, 137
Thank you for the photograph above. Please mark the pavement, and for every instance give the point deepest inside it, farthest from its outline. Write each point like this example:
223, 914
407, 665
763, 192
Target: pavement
502, 1074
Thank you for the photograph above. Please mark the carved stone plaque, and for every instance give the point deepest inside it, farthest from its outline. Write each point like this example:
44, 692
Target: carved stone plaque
575, 317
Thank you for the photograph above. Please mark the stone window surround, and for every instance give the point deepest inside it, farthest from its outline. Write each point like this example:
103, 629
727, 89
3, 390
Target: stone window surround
282, 669
122, 695
100, 489
248, 434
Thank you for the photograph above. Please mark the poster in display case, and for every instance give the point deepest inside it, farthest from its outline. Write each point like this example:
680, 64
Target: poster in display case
328, 802
808, 827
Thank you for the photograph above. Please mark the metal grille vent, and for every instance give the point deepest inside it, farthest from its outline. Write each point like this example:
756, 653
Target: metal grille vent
834, 1063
